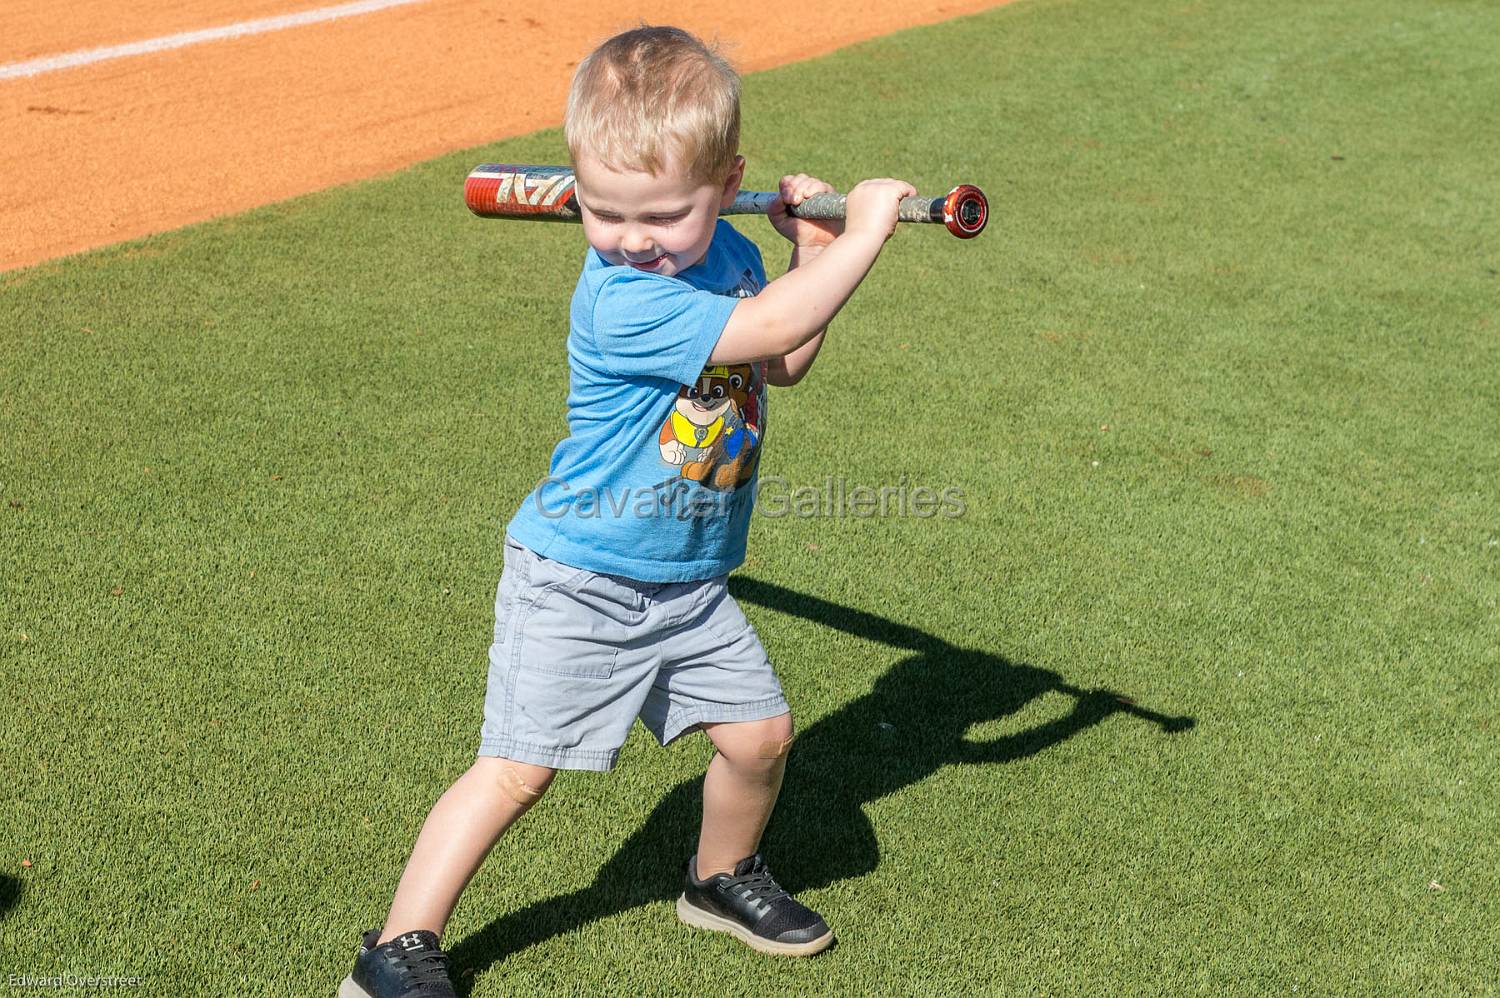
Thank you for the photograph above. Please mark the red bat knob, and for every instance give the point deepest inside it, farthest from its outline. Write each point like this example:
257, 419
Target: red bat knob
965, 211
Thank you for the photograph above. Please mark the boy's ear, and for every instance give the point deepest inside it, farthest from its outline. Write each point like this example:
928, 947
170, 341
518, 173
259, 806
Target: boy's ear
732, 183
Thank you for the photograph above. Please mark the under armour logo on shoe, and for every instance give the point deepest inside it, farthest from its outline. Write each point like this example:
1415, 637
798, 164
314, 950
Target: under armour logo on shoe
411, 941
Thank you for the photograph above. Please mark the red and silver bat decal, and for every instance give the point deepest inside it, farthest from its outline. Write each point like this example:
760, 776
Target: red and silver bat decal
505, 191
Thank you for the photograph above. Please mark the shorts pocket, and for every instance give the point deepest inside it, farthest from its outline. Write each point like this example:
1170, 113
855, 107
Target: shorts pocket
515, 577
571, 629
724, 618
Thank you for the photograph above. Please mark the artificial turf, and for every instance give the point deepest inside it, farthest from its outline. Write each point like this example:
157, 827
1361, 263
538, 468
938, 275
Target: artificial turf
1218, 386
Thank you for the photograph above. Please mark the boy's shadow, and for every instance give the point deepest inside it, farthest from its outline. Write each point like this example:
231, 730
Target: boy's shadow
911, 724
10, 893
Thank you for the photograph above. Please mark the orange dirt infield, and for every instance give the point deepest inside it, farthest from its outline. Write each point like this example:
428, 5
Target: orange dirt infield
119, 149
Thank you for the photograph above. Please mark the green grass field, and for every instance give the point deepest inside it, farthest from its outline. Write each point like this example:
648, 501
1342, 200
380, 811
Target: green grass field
1219, 385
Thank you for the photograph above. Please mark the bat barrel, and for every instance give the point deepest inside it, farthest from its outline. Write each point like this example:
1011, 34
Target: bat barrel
505, 190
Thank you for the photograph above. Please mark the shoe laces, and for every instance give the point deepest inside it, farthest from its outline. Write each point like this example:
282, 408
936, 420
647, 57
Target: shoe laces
759, 885
426, 966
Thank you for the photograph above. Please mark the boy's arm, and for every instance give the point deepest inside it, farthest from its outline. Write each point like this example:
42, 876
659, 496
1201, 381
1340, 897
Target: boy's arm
788, 369
783, 372
791, 311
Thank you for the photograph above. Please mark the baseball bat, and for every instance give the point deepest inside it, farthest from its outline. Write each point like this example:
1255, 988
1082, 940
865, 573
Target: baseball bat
546, 193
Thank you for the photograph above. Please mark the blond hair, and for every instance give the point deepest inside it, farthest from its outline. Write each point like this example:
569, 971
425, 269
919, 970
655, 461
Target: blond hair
651, 95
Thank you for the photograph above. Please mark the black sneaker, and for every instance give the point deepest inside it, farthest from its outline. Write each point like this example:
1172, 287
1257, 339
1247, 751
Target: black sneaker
752, 906
409, 966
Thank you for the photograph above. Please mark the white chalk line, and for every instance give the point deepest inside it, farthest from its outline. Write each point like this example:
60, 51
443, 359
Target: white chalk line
84, 57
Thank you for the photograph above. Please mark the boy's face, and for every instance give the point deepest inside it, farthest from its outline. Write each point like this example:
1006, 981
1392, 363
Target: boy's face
662, 224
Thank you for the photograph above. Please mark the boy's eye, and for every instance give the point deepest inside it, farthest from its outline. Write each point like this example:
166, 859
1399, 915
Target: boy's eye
654, 219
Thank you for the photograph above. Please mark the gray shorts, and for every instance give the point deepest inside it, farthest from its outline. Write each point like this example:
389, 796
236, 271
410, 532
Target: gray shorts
578, 656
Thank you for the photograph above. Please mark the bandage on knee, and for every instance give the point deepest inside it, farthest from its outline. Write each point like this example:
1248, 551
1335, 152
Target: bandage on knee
518, 789
775, 749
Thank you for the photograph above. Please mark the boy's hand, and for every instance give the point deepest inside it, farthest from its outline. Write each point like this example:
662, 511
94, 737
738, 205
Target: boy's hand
871, 206
805, 233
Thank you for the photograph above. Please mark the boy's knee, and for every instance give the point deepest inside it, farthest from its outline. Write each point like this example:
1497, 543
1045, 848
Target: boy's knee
756, 743
521, 782
777, 738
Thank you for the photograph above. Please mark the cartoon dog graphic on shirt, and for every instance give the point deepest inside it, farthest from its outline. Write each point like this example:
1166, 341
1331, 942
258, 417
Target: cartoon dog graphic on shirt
713, 433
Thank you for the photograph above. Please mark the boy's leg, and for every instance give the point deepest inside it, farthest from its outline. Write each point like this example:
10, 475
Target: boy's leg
716, 672
740, 789
728, 887
462, 827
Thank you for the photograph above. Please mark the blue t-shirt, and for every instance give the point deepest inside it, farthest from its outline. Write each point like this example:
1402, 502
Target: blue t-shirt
656, 478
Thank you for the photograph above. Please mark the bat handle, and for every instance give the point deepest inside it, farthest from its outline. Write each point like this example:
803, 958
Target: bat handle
964, 210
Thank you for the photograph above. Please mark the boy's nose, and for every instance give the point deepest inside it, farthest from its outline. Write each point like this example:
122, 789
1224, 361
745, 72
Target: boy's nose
636, 243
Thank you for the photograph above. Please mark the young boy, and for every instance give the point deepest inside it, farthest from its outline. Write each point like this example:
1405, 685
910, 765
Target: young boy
612, 604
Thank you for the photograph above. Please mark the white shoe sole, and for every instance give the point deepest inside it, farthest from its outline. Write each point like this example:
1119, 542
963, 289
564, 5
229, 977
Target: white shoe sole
692, 915
349, 989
